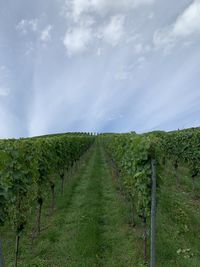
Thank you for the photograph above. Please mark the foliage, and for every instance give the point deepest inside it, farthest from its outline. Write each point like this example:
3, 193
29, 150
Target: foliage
27, 166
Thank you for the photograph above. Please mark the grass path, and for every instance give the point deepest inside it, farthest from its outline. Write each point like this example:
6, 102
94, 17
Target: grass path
89, 227
94, 231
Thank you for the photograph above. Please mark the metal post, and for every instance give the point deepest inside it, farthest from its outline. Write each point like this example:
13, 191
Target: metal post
153, 215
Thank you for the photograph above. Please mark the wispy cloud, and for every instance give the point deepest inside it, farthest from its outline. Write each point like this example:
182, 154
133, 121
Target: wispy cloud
115, 76
45, 35
114, 31
76, 8
32, 26
98, 20
25, 26
77, 40
187, 24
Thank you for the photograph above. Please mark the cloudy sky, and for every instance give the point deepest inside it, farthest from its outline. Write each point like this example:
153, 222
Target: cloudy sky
98, 65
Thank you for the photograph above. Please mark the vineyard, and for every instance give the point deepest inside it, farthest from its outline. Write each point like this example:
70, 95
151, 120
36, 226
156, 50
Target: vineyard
78, 199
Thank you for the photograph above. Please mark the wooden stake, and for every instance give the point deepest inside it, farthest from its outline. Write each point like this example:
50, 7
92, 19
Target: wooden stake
1, 255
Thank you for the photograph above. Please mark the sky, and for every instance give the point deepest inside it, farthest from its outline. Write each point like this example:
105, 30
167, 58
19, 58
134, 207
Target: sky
98, 66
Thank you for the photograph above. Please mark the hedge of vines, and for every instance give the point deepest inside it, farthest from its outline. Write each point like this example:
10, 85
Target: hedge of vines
133, 155
29, 170
183, 147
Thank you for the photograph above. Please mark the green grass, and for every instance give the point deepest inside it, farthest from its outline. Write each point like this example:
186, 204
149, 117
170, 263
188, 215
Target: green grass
90, 226
178, 221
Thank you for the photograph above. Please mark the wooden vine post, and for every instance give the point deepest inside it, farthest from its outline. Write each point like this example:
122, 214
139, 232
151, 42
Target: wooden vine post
16, 249
153, 214
1, 255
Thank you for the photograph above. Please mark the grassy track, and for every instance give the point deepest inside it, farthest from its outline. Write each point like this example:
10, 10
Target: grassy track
178, 221
89, 227
95, 230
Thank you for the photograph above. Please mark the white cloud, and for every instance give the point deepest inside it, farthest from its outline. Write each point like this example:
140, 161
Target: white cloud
79, 7
77, 40
126, 72
164, 38
101, 6
46, 34
29, 48
22, 26
87, 21
123, 74
113, 32
25, 26
86, 18
76, 8
34, 24
140, 48
4, 91
187, 24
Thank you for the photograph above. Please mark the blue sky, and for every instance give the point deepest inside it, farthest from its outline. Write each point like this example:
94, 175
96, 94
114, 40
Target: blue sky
98, 65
